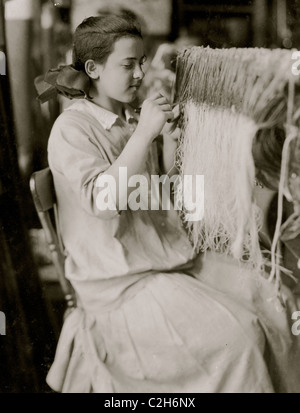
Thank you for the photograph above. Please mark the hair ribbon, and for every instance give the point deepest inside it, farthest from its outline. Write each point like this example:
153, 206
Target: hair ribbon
65, 80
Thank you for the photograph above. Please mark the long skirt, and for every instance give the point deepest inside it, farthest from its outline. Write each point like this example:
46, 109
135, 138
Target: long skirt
218, 329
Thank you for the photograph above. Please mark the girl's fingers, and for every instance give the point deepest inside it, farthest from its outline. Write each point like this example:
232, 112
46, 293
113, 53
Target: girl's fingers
176, 111
166, 108
162, 101
156, 96
170, 116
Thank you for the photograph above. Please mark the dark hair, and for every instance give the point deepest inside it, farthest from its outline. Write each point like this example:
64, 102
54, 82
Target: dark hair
95, 37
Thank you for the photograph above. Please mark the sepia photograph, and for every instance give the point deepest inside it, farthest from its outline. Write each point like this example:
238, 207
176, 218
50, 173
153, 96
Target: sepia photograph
149, 199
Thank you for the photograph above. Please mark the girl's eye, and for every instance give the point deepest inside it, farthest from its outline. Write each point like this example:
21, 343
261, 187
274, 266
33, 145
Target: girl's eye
130, 66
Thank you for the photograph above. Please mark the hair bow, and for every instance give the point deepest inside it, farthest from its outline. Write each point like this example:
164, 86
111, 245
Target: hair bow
65, 80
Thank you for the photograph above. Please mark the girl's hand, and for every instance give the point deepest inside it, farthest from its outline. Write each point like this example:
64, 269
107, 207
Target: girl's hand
170, 127
155, 112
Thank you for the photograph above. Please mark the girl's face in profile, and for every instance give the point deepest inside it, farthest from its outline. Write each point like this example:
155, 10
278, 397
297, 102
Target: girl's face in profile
121, 75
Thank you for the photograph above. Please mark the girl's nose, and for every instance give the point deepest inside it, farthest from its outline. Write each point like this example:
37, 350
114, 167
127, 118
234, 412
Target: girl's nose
138, 72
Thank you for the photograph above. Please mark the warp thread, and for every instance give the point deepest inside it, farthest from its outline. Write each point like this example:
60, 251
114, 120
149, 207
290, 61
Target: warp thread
224, 95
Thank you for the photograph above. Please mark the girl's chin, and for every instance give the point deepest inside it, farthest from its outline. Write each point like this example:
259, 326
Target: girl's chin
130, 98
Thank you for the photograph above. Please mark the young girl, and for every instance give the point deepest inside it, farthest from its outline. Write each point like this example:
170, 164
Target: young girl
143, 322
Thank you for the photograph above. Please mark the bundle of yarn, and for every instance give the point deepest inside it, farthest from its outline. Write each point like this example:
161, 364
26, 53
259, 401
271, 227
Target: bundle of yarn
224, 94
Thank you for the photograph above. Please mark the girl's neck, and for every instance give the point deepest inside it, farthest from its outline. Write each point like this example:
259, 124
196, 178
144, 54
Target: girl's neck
111, 105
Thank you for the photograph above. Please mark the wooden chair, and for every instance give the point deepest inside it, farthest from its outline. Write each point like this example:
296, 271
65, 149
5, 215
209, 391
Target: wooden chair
44, 198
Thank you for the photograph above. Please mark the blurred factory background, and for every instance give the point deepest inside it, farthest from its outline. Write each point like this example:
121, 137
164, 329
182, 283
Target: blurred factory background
36, 35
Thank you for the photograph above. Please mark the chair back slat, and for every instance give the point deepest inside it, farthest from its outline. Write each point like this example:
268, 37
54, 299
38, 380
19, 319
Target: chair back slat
44, 198
42, 189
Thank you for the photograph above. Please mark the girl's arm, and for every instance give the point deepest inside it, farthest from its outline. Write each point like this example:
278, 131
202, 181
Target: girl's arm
155, 112
73, 154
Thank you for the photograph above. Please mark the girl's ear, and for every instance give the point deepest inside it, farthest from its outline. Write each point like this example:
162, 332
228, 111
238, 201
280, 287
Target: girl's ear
92, 69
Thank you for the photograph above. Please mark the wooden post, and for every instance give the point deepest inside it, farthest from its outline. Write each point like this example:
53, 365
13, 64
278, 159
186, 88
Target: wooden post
23, 350
260, 26
19, 25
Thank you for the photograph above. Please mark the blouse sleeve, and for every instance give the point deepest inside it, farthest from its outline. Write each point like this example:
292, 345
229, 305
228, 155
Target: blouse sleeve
75, 152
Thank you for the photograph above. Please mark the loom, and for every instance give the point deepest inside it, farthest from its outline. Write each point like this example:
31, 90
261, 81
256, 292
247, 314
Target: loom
226, 96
